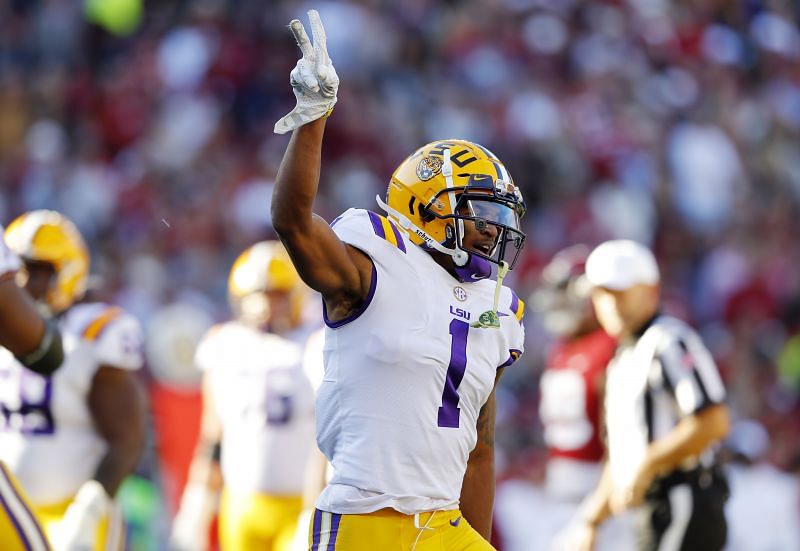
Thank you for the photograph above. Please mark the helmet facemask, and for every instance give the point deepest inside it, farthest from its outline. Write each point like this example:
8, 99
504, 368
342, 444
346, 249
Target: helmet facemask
487, 210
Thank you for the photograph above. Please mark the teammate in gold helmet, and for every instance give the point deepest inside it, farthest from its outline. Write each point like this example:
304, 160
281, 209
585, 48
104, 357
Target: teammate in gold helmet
265, 290
257, 429
72, 438
36, 343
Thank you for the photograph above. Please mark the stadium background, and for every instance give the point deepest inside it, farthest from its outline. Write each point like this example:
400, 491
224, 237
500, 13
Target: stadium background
673, 123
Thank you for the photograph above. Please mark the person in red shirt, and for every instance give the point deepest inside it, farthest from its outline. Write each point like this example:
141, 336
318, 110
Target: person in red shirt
570, 405
572, 383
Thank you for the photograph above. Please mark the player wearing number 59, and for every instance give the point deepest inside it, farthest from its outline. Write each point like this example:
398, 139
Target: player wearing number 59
72, 438
36, 342
417, 332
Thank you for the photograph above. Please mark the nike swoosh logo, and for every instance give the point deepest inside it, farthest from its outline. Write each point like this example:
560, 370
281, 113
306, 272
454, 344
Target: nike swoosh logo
455, 522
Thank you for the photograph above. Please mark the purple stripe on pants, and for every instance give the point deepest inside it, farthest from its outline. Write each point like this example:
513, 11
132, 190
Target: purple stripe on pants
376, 224
316, 530
22, 502
17, 527
334, 531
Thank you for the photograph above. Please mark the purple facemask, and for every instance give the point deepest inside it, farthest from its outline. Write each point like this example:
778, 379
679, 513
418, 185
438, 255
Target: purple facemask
475, 269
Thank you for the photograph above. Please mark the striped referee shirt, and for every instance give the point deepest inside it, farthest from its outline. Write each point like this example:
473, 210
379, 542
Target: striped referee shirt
654, 381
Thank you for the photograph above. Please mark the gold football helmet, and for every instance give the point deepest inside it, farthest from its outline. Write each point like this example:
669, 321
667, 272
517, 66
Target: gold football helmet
48, 236
443, 184
261, 268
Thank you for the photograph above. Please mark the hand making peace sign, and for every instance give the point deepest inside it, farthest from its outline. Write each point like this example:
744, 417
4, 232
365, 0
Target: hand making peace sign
314, 80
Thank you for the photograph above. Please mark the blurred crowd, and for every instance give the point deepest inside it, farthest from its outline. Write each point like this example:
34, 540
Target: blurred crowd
675, 123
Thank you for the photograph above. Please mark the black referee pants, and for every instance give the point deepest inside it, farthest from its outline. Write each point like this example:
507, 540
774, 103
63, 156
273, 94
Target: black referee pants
684, 511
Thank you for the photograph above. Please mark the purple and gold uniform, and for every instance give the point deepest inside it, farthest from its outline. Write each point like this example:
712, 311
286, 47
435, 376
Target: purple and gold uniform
19, 528
47, 436
265, 403
405, 379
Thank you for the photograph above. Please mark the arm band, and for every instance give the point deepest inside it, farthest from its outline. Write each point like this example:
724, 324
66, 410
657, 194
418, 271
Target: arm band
216, 452
49, 354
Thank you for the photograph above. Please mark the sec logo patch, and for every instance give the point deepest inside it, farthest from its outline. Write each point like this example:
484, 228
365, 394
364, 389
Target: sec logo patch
460, 294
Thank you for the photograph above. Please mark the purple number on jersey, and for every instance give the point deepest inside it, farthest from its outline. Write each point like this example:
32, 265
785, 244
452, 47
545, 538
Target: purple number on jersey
279, 408
449, 412
31, 415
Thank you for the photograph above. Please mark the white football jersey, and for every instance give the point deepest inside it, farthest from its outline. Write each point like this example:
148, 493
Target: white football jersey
47, 436
406, 377
265, 403
9, 262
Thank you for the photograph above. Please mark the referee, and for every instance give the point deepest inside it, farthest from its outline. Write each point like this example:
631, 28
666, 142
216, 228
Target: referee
664, 413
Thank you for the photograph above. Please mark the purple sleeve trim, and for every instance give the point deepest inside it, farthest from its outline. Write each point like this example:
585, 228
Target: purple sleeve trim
513, 356
376, 224
372, 286
398, 237
336, 220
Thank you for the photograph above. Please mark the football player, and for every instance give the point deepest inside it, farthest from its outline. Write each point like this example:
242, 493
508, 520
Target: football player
571, 386
72, 438
258, 412
571, 398
35, 342
417, 331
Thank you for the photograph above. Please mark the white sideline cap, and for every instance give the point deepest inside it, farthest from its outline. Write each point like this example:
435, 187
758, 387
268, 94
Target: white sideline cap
621, 264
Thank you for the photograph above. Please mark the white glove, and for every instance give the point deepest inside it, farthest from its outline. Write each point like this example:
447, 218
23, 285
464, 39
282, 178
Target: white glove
77, 530
191, 524
314, 80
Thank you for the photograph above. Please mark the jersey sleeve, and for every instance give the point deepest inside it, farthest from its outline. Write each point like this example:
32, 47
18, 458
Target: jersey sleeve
209, 352
118, 339
9, 262
689, 373
511, 313
370, 232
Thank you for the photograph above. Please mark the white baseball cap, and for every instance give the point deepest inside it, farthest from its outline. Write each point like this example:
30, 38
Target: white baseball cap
621, 264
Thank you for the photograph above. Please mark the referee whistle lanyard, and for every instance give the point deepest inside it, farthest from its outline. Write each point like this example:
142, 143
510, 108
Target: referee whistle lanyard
490, 319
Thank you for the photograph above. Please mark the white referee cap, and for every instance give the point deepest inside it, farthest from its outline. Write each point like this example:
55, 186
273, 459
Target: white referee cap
621, 264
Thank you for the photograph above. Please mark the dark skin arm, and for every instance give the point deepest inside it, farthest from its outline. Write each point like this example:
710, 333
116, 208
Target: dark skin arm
339, 272
21, 325
117, 405
477, 491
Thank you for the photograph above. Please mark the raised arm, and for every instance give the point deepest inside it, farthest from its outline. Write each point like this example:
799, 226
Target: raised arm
338, 271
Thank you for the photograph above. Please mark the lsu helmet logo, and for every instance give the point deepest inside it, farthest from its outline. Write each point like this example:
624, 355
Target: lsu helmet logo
429, 167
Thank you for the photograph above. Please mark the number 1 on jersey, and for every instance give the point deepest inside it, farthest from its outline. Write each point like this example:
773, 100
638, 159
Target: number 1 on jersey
449, 412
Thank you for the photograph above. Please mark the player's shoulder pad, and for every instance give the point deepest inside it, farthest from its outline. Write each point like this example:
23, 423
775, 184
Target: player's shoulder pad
511, 304
369, 231
210, 350
115, 336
